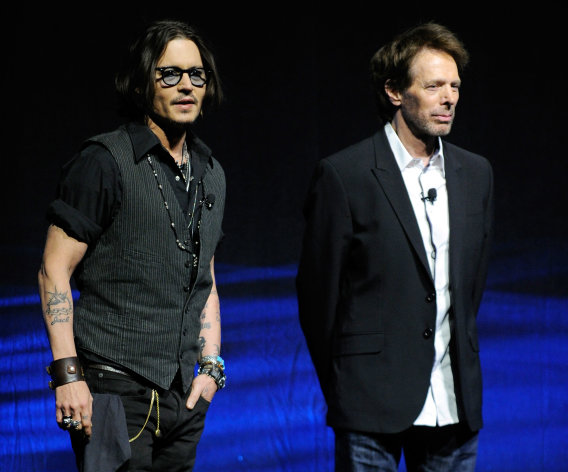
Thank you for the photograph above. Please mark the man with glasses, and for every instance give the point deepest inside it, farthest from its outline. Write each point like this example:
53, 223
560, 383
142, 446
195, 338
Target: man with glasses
393, 267
136, 222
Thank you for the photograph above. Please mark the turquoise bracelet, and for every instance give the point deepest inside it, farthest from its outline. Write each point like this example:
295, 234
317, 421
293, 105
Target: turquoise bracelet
217, 360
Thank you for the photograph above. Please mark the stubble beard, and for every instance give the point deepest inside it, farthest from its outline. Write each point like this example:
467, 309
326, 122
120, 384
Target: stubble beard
423, 128
170, 125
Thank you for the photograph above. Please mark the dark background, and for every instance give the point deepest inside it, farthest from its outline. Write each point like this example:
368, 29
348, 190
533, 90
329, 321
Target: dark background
297, 89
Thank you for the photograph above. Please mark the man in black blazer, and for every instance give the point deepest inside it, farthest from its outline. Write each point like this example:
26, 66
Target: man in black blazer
393, 267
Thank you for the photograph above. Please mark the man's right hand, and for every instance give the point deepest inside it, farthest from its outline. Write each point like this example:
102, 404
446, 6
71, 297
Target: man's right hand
74, 400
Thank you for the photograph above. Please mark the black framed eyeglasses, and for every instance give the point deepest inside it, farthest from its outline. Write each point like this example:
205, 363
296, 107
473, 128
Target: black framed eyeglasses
172, 75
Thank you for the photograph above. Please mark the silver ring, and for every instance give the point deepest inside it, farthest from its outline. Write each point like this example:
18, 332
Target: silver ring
67, 420
76, 424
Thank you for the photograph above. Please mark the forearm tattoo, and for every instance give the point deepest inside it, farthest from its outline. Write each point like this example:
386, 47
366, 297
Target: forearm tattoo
59, 307
202, 342
204, 324
218, 313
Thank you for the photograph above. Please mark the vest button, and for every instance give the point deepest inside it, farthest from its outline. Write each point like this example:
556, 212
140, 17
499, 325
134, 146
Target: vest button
427, 333
430, 297
186, 289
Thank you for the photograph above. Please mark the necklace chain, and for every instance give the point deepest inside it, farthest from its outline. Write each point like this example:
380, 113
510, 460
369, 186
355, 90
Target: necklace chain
185, 166
180, 244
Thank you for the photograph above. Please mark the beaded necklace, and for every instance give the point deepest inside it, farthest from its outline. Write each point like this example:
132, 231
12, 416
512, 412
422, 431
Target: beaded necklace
190, 225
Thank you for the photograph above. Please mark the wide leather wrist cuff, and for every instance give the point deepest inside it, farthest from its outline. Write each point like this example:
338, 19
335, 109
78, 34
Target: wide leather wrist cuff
64, 371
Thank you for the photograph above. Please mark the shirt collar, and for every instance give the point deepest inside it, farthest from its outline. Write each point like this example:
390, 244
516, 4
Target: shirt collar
402, 156
144, 141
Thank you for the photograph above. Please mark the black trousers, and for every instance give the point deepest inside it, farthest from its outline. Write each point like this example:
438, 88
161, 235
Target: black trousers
173, 447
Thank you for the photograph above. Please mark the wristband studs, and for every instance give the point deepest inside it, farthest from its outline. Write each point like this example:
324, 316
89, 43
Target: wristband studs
64, 371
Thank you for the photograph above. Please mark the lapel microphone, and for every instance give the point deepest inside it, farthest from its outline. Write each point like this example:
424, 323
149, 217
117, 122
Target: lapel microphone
208, 201
431, 197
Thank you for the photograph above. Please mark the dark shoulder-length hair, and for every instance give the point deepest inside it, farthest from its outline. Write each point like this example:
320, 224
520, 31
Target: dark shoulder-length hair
392, 61
134, 82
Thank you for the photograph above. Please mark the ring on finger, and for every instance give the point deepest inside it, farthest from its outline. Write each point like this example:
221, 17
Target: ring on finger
76, 424
67, 421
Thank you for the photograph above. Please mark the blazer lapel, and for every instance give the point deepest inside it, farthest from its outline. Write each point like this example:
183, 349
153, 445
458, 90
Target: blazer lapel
390, 179
456, 187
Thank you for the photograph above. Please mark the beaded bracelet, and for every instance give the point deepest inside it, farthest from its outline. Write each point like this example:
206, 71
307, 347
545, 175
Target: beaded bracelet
215, 372
216, 360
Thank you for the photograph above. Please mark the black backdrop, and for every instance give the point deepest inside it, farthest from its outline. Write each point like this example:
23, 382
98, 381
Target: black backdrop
297, 89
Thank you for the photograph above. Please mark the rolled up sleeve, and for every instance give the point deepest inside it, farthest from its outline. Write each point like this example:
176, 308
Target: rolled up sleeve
88, 194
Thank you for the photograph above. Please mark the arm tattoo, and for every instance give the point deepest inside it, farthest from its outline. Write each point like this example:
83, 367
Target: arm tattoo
59, 307
202, 342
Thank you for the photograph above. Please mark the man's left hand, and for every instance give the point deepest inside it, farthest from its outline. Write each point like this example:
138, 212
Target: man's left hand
203, 386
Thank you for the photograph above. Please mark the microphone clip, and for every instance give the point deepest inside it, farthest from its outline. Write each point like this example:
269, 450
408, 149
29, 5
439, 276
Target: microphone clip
208, 201
431, 196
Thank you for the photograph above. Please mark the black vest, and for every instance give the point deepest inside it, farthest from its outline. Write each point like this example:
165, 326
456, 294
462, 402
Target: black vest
137, 305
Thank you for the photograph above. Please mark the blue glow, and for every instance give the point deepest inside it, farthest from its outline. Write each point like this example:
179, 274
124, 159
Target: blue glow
271, 415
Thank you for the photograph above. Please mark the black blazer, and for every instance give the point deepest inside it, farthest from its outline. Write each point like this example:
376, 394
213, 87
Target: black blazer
366, 296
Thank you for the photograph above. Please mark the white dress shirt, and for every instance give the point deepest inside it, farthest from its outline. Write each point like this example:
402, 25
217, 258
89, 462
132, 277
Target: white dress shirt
432, 216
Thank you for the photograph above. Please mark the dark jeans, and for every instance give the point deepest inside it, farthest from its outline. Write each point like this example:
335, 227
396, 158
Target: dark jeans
442, 449
174, 450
